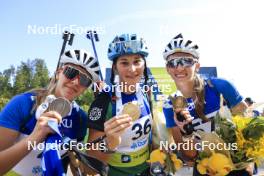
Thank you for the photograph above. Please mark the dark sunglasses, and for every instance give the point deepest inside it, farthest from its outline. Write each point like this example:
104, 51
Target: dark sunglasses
71, 73
183, 61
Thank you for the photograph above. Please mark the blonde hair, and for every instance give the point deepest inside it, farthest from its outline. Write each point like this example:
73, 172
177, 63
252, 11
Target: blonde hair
42, 93
199, 97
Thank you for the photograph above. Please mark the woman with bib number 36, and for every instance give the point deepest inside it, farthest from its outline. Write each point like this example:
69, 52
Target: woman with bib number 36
122, 112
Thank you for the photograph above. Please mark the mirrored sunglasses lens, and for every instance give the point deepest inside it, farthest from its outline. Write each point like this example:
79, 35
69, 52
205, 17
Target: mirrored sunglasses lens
187, 62
85, 81
70, 72
172, 63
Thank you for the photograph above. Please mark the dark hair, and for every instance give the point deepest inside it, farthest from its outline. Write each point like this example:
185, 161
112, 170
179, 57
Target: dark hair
112, 78
249, 100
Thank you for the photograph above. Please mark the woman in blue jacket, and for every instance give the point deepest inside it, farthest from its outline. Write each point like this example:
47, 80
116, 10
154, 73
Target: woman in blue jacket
20, 127
202, 95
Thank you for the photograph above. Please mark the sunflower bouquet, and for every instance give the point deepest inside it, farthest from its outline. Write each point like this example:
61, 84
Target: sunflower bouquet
245, 135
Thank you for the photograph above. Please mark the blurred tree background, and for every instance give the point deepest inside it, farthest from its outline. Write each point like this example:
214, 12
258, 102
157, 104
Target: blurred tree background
30, 75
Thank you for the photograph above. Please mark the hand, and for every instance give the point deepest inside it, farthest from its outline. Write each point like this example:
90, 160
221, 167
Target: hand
77, 166
250, 168
115, 127
42, 129
186, 114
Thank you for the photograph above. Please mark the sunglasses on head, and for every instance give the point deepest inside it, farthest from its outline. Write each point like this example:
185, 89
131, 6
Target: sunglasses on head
183, 61
71, 73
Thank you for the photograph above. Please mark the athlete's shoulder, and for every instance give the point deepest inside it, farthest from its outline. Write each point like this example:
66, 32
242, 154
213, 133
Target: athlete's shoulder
219, 82
18, 108
27, 96
97, 113
228, 90
21, 101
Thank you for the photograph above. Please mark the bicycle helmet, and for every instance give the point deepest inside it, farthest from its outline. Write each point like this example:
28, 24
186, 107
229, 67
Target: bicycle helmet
127, 44
177, 44
83, 59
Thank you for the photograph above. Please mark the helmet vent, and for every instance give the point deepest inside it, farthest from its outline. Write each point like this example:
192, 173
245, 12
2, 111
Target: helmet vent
133, 38
84, 57
180, 44
188, 43
94, 65
121, 39
77, 53
68, 53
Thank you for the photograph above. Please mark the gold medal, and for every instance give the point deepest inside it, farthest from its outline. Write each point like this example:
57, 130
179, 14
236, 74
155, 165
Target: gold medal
133, 110
178, 102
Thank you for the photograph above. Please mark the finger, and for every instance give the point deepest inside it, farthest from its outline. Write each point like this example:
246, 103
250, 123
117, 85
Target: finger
186, 115
73, 159
182, 129
117, 129
43, 121
189, 118
81, 167
178, 110
118, 121
54, 115
177, 121
183, 112
180, 124
117, 134
118, 117
86, 170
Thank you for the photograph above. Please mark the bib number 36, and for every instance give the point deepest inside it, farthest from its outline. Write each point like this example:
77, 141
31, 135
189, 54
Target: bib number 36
140, 130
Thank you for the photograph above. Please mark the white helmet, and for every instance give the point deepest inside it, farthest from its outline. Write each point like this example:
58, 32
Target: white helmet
83, 59
177, 44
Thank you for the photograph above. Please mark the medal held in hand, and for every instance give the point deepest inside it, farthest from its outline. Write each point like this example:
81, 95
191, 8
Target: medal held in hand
132, 109
180, 102
61, 106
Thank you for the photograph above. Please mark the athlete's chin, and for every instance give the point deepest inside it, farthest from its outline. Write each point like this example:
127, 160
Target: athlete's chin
68, 95
182, 79
133, 81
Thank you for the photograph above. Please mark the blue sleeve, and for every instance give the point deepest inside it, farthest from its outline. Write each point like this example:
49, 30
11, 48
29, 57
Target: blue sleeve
83, 125
228, 90
256, 113
13, 113
169, 114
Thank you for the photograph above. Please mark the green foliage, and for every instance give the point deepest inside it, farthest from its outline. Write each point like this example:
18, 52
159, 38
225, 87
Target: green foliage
85, 99
28, 75
31, 74
255, 129
203, 155
24, 74
226, 129
3, 101
5, 82
40, 74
